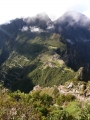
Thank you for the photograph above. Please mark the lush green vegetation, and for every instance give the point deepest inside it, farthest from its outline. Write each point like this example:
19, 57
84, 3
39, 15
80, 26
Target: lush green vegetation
44, 57
33, 60
41, 105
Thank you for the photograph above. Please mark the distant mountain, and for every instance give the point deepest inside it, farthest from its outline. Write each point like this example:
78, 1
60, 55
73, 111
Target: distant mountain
39, 51
75, 28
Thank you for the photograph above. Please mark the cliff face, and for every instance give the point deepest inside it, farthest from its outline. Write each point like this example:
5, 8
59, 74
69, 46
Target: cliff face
74, 27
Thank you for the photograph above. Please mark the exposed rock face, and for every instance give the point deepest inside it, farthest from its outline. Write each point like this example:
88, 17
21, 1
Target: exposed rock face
37, 88
82, 74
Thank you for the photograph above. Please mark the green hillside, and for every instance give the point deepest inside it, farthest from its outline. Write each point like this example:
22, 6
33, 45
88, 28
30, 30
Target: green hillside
33, 60
38, 51
45, 68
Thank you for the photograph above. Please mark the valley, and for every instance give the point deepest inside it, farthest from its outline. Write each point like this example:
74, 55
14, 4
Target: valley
45, 68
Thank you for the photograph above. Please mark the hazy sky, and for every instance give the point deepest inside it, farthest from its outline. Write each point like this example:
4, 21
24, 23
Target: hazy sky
11, 9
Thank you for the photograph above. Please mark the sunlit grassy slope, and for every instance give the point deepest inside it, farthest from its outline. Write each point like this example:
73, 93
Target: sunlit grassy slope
33, 60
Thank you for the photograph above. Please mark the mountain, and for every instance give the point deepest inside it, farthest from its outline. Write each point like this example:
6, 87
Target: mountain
40, 51
75, 28
76, 24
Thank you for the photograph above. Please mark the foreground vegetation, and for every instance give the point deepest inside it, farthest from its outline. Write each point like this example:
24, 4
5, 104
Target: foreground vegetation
41, 105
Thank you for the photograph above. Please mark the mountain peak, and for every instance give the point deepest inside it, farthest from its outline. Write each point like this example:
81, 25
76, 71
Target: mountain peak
38, 19
73, 15
43, 16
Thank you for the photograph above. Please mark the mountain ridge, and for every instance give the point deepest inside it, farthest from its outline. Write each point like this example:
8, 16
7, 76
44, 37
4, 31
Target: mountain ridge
38, 51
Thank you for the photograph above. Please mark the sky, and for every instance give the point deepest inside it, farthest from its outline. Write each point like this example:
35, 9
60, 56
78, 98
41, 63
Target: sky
11, 9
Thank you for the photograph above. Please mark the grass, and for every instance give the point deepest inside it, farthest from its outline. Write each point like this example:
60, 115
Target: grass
73, 108
68, 69
45, 57
52, 48
54, 42
47, 90
59, 63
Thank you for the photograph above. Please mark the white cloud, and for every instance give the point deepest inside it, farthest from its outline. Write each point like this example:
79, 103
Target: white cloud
87, 13
36, 29
50, 27
70, 41
11, 9
25, 28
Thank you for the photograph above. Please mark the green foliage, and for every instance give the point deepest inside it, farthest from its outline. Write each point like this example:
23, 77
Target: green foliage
46, 100
55, 92
69, 97
59, 114
40, 106
74, 108
36, 95
64, 98
28, 54
85, 113
60, 100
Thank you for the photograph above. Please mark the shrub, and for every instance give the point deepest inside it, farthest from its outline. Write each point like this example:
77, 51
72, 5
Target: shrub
60, 100
69, 97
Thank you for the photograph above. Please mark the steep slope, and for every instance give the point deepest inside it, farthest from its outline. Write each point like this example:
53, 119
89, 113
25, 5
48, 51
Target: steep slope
34, 51
74, 27
33, 60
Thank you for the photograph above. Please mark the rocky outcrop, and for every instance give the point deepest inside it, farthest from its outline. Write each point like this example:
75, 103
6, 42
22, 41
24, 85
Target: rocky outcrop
82, 74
